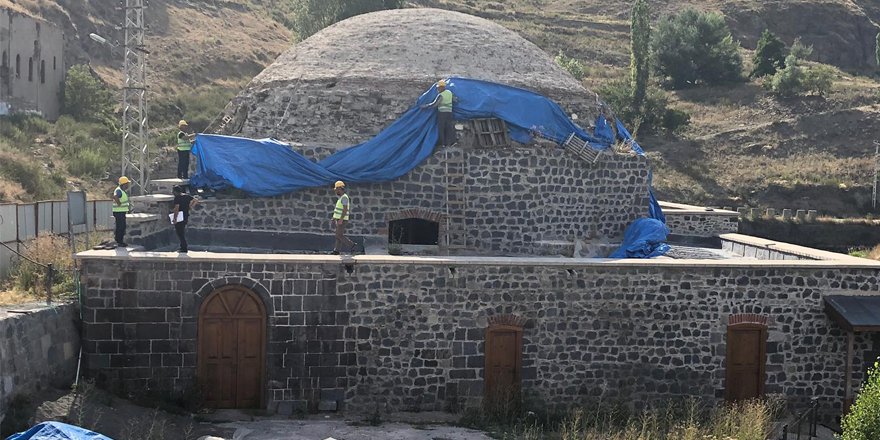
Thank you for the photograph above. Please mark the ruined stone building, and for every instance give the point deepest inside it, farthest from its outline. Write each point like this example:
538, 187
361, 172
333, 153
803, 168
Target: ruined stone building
32, 65
516, 290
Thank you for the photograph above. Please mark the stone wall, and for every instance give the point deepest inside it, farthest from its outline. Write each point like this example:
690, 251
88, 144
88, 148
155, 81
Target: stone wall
408, 335
37, 350
705, 224
514, 198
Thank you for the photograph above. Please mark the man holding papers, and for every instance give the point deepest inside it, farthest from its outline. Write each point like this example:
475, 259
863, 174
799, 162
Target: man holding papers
180, 215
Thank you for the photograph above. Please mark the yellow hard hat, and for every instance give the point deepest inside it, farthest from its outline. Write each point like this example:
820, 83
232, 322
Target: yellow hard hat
123, 180
339, 184
182, 123
441, 83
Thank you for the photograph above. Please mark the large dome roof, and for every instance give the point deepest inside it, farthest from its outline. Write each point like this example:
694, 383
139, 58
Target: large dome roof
344, 84
419, 44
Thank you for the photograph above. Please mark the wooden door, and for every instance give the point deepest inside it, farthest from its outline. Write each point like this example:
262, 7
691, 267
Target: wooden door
746, 358
232, 348
503, 375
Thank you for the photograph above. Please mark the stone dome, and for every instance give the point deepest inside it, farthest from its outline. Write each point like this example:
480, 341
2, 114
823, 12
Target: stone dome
344, 84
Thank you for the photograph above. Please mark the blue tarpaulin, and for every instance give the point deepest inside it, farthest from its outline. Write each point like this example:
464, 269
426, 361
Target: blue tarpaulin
57, 431
644, 238
267, 167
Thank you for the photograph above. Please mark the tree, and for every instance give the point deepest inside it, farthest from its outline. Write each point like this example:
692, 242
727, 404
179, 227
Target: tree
85, 96
862, 422
640, 44
694, 48
310, 16
769, 55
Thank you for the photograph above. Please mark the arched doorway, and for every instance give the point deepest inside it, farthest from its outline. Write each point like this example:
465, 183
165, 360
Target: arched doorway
503, 351
232, 348
746, 357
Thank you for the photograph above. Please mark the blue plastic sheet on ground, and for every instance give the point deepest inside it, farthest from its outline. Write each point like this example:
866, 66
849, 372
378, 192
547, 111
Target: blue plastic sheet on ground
644, 238
57, 431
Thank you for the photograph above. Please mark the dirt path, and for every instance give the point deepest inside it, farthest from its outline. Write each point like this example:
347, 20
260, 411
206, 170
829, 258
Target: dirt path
342, 430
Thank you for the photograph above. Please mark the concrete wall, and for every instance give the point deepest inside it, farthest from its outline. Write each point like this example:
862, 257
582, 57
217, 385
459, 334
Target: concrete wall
37, 350
408, 333
515, 197
34, 44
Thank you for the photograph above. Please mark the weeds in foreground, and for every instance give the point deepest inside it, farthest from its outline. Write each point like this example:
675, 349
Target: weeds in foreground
752, 420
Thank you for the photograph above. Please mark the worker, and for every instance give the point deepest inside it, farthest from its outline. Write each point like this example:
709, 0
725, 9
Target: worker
184, 146
121, 207
183, 203
445, 125
341, 213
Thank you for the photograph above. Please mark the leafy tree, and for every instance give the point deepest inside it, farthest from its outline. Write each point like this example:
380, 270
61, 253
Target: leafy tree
800, 50
85, 96
795, 79
640, 43
819, 80
862, 422
572, 65
769, 55
310, 16
655, 114
696, 47
790, 80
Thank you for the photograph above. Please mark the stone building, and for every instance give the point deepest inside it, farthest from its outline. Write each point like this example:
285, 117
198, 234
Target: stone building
32, 65
270, 327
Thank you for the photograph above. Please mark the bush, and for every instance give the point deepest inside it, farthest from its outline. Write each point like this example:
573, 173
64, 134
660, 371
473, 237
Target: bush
20, 129
87, 163
819, 80
198, 107
30, 176
30, 277
788, 81
655, 114
862, 422
85, 96
694, 48
307, 17
769, 55
572, 65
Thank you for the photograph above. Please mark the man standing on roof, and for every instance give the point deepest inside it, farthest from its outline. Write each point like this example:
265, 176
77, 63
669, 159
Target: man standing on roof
445, 124
121, 207
183, 203
340, 219
184, 145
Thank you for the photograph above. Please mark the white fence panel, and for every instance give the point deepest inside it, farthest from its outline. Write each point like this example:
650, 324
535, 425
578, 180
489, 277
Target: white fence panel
8, 223
59, 217
104, 215
27, 222
8, 260
44, 217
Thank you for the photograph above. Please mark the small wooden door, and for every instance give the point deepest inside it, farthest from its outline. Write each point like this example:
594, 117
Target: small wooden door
746, 358
503, 362
232, 348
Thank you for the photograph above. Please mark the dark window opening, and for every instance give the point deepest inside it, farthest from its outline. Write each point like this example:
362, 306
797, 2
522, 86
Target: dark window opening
30, 68
491, 132
18, 66
5, 59
42, 71
414, 231
54, 63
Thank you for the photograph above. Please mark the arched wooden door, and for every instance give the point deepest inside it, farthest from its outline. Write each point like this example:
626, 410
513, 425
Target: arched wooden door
746, 360
232, 348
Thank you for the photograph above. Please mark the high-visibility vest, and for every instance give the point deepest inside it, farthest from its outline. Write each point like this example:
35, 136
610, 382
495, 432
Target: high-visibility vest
123, 201
337, 213
445, 101
183, 144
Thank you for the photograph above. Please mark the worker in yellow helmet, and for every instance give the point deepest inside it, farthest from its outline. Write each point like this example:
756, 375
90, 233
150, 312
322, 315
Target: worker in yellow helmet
341, 213
184, 146
445, 124
121, 207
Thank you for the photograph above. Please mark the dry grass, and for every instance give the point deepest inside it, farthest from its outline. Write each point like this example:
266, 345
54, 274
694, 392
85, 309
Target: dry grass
28, 279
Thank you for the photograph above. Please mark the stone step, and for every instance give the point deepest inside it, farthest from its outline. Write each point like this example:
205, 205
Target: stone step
141, 218
152, 198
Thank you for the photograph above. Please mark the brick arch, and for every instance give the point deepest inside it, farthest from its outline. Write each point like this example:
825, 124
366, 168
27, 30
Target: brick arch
249, 283
748, 319
507, 320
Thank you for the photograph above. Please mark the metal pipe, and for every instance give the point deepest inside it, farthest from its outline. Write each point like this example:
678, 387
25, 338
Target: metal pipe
847, 395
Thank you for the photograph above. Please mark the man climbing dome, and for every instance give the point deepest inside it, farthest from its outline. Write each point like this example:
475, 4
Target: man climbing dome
341, 213
184, 145
121, 207
445, 124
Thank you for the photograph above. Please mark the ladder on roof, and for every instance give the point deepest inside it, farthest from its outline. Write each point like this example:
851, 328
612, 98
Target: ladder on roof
580, 148
456, 198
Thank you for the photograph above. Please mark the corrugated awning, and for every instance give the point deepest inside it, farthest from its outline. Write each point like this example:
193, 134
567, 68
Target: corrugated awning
854, 313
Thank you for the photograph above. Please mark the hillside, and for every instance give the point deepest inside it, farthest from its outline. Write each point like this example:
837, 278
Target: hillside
743, 146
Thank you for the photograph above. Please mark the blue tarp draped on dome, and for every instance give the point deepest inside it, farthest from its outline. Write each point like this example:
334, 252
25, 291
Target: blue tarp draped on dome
267, 167
57, 431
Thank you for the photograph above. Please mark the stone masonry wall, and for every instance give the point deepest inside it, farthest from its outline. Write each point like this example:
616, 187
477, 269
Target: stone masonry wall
515, 197
411, 337
701, 225
37, 350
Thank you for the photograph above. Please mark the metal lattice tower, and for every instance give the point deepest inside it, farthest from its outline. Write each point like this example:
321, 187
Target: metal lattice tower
134, 99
